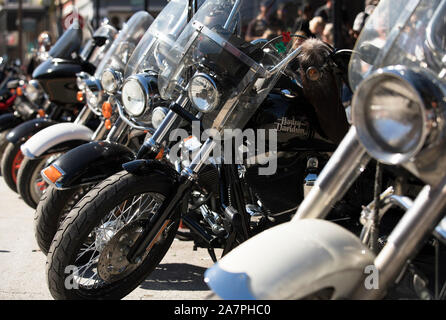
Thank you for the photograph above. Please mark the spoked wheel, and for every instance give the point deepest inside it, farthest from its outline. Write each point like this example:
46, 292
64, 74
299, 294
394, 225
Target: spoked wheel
11, 162
30, 184
88, 256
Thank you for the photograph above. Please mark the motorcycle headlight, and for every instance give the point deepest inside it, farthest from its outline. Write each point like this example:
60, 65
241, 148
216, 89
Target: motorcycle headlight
111, 80
32, 90
81, 79
136, 95
158, 115
203, 93
393, 112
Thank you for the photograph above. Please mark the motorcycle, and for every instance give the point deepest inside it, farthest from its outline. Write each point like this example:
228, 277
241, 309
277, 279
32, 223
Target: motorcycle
57, 78
50, 143
121, 229
77, 171
398, 108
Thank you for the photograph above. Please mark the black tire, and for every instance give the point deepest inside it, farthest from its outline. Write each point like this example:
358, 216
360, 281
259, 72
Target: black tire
82, 220
11, 151
26, 180
52, 209
3, 143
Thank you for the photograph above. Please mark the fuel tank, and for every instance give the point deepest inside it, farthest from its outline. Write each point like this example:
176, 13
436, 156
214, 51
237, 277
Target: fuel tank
58, 78
294, 119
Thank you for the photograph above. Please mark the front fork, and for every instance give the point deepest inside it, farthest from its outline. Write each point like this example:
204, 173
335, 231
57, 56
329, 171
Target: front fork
417, 224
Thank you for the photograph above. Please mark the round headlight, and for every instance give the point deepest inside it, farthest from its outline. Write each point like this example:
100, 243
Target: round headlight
110, 81
80, 83
390, 116
203, 93
92, 98
158, 115
134, 97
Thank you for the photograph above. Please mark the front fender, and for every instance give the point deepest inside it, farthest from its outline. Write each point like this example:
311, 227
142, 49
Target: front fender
91, 163
293, 260
8, 121
54, 136
28, 128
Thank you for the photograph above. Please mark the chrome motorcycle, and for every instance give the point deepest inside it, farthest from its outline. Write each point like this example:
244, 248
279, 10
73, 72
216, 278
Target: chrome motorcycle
398, 73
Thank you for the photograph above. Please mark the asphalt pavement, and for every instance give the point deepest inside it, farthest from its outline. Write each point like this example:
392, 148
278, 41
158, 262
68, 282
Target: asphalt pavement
22, 265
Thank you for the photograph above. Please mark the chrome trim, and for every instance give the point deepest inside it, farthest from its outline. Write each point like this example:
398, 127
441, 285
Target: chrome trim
405, 240
142, 82
214, 85
417, 82
344, 167
117, 76
122, 114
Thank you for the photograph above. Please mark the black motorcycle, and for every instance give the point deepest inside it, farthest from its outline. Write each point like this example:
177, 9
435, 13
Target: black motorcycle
121, 229
57, 78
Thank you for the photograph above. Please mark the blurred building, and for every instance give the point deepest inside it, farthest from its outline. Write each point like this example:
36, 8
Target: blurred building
52, 15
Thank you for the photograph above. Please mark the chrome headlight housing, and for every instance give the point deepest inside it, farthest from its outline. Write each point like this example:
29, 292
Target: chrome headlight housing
33, 90
111, 81
136, 94
394, 112
158, 115
204, 93
93, 93
81, 79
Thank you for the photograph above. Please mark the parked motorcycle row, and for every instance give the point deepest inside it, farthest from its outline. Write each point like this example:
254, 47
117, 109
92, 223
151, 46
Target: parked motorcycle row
124, 140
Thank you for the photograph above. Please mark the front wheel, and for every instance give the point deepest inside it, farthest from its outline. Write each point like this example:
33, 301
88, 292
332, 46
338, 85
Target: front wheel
51, 210
11, 160
30, 184
87, 258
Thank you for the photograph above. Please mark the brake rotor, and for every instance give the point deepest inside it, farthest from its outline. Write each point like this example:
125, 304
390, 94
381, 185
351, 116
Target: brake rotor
113, 264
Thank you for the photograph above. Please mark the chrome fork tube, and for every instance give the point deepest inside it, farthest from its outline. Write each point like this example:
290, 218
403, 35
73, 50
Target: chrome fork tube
83, 116
100, 132
407, 237
200, 159
117, 130
343, 168
170, 121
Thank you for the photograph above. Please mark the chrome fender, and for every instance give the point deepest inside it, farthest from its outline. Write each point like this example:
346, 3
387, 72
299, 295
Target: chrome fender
53, 136
292, 261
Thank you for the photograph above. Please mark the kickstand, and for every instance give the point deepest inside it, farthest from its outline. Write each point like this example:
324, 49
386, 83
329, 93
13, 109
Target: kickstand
211, 252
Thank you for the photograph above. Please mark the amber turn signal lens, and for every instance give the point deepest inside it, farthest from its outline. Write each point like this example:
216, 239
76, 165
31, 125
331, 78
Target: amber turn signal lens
160, 155
41, 113
52, 174
107, 110
80, 96
12, 91
108, 124
20, 91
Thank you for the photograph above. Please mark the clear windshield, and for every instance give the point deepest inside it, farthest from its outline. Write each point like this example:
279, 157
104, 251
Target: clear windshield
159, 37
104, 35
123, 46
401, 32
70, 42
213, 43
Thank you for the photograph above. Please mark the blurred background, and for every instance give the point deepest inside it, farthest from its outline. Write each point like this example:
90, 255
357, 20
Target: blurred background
21, 21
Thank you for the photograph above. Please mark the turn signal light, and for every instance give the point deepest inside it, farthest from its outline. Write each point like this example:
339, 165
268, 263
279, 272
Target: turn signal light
41, 113
160, 155
52, 174
20, 91
80, 96
108, 124
107, 110
12, 91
